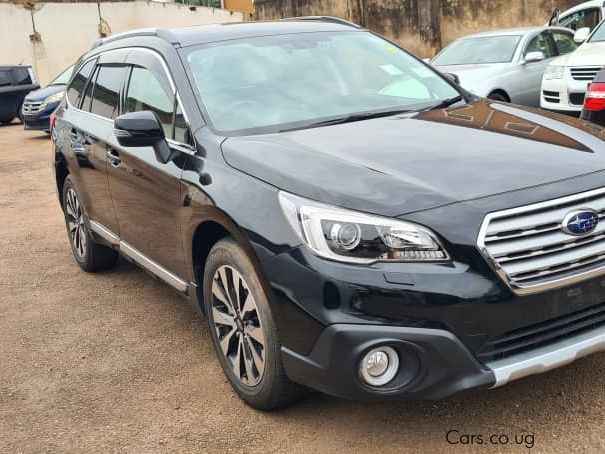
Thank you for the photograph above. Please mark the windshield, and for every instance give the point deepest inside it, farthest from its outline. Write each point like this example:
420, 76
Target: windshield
272, 83
599, 35
473, 51
63, 78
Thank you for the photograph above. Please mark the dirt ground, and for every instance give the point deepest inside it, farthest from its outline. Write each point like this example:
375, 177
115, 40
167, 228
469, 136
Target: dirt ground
118, 362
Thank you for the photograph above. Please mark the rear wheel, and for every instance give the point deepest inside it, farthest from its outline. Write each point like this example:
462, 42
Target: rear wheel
90, 256
243, 330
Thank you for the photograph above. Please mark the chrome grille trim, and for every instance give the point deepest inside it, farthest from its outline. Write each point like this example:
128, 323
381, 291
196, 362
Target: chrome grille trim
33, 107
528, 249
587, 73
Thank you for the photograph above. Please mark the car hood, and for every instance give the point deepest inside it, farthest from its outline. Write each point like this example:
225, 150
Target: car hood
588, 54
43, 93
397, 165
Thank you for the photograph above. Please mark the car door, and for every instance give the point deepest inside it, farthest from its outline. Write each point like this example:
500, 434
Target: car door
90, 120
146, 192
530, 74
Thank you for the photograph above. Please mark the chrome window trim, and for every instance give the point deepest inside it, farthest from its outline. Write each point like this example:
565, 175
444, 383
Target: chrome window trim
552, 284
183, 147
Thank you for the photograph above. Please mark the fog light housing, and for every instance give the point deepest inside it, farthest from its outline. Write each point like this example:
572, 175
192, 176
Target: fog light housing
379, 366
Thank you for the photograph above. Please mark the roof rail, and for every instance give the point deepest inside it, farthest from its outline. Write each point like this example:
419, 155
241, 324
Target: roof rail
335, 20
128, 34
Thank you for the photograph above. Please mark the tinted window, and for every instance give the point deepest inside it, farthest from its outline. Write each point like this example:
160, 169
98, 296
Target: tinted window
79, 82
106, 92
5, 78
564, 42
146, 93
482, 49
540, 43
22, 76
586, 18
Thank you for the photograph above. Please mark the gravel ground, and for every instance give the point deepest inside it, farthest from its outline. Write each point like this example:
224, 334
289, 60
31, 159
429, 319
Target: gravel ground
118, 362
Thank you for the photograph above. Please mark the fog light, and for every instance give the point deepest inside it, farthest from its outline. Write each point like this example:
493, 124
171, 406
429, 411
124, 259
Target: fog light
379, 366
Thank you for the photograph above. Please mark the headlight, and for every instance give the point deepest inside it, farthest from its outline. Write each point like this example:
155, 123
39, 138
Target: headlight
350, 236
554, 72
54, 98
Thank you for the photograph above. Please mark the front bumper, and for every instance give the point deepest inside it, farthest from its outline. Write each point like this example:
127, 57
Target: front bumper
39, 121
433, 363
563, 95
450, 324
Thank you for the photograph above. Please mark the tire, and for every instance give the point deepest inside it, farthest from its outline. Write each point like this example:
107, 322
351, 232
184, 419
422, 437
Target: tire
91, 256
498, 96
6, 121
245, 326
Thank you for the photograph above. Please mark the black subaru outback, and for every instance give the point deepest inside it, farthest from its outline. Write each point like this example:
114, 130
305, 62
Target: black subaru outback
347, 218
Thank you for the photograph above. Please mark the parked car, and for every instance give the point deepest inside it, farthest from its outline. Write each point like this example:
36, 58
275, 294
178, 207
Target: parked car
585, 15
15, 83
566, 78
594, 103
347, 218
505, 65
40, 104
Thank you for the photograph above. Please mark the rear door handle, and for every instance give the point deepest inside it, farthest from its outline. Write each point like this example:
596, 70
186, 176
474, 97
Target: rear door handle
114, 157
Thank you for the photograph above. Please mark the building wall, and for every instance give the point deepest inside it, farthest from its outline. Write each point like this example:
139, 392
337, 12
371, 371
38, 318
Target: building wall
423, 26
67, 30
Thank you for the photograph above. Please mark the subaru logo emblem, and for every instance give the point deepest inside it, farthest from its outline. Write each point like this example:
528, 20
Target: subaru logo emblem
580, 222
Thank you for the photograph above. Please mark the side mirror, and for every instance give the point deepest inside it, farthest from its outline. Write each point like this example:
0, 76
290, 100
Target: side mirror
142, 129
581, 35
532, 57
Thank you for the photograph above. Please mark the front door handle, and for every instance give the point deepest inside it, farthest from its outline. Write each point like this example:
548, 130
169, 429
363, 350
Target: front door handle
114, 157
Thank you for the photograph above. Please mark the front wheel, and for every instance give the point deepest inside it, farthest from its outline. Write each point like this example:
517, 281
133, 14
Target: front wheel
243, 330
6, 120
90, 256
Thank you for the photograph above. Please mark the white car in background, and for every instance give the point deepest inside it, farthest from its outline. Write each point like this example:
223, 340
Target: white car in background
566, 79
585, 15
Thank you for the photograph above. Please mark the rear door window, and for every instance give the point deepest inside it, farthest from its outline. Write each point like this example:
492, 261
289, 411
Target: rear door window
106, 92
78, 83
5, 78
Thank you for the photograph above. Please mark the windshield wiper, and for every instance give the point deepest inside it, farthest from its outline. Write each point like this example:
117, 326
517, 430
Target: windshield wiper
443, 104
350, 119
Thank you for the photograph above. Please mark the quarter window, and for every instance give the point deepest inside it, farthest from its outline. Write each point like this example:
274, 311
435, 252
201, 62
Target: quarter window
146, 93
106, 94
79, 83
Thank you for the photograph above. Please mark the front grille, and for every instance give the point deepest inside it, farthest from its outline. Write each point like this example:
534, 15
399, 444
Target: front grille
577, 99
587, 73
530, 250
544, 333
32, 107
552, 96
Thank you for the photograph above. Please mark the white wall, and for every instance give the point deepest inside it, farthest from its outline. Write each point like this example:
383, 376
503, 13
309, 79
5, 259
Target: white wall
68, 29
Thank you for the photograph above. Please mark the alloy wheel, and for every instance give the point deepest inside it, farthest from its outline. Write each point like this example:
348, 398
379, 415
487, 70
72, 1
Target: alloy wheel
75, 223
238, 325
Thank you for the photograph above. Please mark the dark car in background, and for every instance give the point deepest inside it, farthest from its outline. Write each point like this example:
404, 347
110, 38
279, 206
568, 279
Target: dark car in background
346, 217
594, 103
15, 83
40, 104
